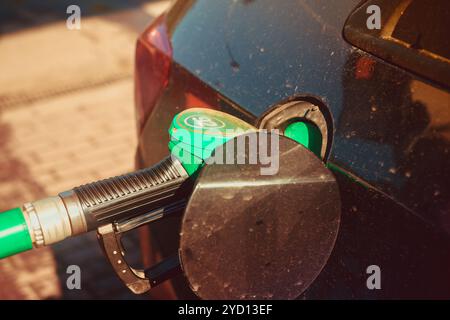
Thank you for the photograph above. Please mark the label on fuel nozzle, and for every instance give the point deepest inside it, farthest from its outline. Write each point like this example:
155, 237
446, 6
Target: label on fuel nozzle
196, 132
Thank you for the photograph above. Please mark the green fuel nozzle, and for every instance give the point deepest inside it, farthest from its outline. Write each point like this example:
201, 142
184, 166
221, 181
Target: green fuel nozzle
194, 134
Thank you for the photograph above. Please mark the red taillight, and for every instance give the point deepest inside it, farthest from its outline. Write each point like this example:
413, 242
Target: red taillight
152, 68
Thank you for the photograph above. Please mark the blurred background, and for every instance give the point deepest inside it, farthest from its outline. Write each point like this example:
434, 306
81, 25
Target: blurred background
66, 118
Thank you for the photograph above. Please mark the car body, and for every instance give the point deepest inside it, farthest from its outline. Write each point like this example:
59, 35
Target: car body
386, 105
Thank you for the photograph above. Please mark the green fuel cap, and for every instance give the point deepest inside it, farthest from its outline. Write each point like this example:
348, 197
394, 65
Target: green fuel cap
14, 235
196, 132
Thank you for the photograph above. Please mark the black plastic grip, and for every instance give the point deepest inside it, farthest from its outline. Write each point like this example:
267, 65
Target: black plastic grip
111, 200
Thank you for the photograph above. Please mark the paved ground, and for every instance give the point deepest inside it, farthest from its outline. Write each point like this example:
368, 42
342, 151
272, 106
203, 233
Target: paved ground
66, 118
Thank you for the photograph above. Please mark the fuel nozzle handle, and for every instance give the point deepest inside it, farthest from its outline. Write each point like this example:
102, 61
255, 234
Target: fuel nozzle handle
194, 134
87, 207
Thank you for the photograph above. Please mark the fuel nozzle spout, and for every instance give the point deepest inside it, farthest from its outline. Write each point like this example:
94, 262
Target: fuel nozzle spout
194, 134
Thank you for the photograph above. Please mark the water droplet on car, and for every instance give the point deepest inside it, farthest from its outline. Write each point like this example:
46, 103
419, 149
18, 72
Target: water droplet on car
299, 283
235, 66
393, 170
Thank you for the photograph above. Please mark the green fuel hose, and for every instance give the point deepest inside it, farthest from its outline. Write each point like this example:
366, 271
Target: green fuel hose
14, 233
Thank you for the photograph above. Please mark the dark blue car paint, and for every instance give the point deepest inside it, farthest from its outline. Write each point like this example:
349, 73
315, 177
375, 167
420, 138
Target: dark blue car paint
391, 133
